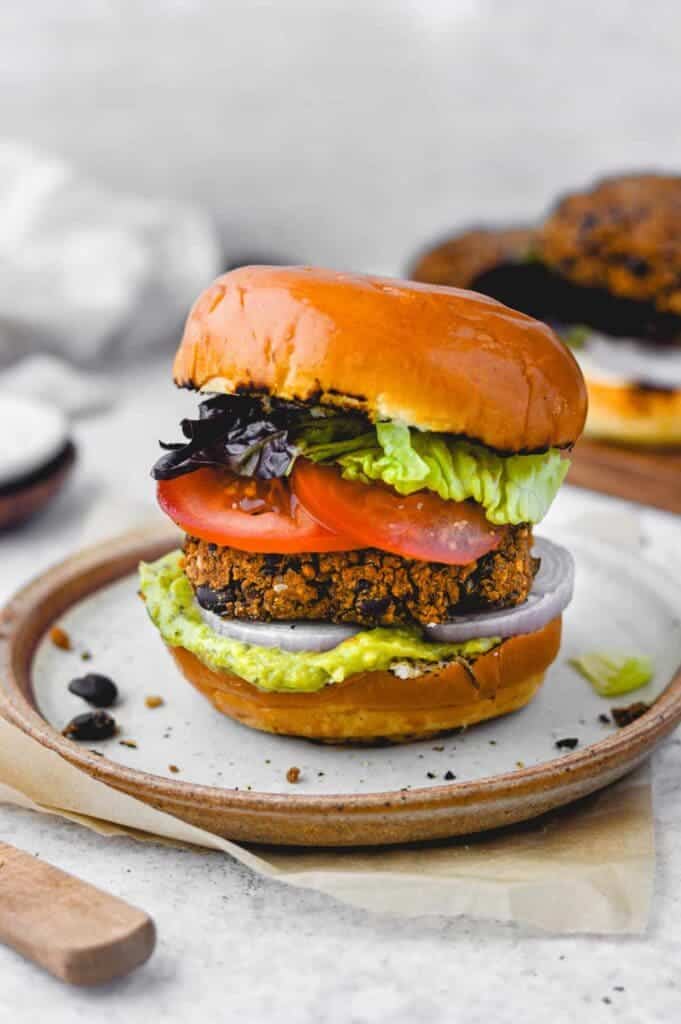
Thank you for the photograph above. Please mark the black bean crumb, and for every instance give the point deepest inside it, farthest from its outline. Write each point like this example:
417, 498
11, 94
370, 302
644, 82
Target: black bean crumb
625, 716
604, 719
95, 689
431, 775
93, 725
607, 999
568, 743
449, 776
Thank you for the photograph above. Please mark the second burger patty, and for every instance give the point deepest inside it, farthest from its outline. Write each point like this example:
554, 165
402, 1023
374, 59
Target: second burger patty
368, 587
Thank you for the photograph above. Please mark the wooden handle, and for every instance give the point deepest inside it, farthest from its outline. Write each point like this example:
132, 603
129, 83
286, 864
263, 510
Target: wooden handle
78, 933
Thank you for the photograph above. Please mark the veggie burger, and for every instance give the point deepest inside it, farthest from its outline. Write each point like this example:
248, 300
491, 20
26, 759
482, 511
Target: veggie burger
358, 493
604, 268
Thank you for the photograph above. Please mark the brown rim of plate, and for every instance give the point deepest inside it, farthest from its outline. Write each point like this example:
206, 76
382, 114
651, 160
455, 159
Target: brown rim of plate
441, 811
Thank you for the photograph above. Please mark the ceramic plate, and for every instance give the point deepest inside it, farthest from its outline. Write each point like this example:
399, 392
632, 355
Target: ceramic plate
232, 780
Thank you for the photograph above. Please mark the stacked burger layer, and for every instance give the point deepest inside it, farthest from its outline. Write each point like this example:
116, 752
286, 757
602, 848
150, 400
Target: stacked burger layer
358, 495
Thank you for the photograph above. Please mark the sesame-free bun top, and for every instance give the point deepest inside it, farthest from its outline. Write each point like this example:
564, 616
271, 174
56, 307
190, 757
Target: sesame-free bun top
436, 358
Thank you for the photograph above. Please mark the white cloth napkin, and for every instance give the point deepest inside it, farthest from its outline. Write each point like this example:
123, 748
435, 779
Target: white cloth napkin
87, 272
53, 381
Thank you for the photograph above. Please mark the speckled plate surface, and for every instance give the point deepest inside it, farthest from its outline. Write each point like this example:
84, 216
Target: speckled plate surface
232, 780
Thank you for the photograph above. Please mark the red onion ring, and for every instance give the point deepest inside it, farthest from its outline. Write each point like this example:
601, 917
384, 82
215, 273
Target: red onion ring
287, 636
551, 593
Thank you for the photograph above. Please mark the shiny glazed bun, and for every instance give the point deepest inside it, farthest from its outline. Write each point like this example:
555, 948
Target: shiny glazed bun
633, 414
437, 358
373, 706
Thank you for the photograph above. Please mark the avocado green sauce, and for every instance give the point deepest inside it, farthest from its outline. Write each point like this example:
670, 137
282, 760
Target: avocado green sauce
170, 603
613, 674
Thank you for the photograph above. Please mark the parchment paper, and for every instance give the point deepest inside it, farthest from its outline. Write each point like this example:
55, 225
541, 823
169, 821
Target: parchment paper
587, 868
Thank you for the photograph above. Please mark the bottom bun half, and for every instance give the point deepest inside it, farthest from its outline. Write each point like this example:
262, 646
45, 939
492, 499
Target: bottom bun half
632, 414
378, 706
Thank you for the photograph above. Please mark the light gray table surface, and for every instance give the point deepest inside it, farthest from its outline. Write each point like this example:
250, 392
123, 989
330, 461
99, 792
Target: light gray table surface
235, 947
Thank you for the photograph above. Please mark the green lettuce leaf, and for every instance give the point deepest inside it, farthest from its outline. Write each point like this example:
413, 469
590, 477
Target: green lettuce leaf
576, 336
511, 489
611, 675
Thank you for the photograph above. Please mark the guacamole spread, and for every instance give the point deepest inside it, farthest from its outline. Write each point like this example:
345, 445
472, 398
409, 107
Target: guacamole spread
170, 603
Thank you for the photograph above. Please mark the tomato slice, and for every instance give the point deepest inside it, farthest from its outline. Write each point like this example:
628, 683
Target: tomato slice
241, 512
420, 525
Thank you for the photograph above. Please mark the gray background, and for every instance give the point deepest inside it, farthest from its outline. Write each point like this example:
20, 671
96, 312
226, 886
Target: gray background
339, 131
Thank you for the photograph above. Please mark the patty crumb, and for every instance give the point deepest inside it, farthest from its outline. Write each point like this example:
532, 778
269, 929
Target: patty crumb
293, 775
449, 776
153, 701
173, 768
60, 638
629, 714
568, 743
128, 743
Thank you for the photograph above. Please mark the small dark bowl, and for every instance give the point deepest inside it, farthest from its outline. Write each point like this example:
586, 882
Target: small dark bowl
25, 497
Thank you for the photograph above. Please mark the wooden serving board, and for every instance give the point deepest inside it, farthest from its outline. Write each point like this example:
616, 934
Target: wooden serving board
648, 477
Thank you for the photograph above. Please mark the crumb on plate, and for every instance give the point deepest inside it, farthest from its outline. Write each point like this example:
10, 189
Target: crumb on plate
60, 638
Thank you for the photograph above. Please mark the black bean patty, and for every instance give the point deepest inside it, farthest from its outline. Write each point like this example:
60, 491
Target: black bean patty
464, 258
369, 587
622, 235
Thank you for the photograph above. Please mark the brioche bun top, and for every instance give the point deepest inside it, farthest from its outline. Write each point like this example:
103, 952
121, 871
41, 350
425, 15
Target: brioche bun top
436, 358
